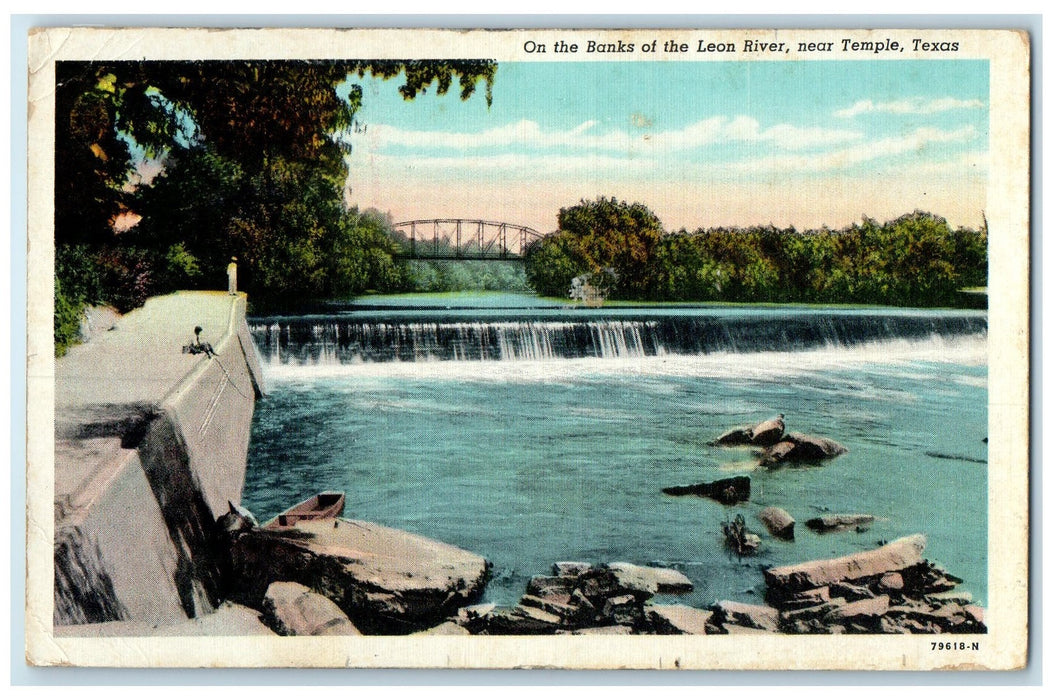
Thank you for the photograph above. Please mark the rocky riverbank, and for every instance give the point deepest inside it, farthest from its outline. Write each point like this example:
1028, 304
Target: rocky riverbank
348, 577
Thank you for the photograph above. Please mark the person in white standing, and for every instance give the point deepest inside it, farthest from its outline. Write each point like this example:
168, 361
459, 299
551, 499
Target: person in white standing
232, 276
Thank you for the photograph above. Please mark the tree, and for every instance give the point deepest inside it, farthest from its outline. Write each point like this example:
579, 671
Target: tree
552, 262
611, 241
253, 166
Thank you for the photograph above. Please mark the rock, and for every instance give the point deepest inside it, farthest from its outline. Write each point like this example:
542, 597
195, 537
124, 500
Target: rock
807, 599
960, 597
777, 453
742, 629
809, 619
605, 630
850, 592
473, 618
761, 617
474, 612
552, 585
795, 447
570, 568
597, 585
916, 616
975, 612
677, 619
560, 606
521, 620
622, 610
728, 491
294, 610
778, 521
448, 628
733, 437
385, 580
892, 581
784, 582
864, 612
926, 579
651, 579
840, 522
587, 612
236, 521
768, 432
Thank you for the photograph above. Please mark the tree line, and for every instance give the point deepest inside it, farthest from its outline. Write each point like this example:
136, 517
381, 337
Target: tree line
621, 248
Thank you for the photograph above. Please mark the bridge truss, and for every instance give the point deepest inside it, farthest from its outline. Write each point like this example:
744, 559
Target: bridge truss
464, 239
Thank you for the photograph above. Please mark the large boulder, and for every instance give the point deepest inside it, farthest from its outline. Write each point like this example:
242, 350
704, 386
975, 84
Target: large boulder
839, 522
521, 620
385, 580
728, 491
760, 617
784, 582
778, 521
864, 612
677, 619
734, 437
768, 432
795, 447
762, 434
652, 579
570, 568
294, 610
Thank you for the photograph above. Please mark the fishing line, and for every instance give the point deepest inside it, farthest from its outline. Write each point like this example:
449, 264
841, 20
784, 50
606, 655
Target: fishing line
229, 379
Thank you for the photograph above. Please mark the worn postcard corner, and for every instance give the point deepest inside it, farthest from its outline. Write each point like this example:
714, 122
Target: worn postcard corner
546, 348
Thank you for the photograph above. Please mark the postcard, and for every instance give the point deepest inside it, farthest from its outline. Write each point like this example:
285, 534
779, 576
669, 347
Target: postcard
539, 348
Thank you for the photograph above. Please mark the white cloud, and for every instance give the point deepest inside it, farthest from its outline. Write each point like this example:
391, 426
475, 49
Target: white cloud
915, 141
743, 129
649, 163
910, 105
585, 137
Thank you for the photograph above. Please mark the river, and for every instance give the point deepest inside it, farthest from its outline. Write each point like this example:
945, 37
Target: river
531, 432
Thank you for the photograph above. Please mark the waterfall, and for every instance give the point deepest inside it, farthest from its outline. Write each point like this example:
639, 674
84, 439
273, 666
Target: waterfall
344, 340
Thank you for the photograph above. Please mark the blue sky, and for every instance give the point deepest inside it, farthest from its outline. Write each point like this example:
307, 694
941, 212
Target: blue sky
802, 143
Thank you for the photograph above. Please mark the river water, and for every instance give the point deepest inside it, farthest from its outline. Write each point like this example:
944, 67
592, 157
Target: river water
532, 433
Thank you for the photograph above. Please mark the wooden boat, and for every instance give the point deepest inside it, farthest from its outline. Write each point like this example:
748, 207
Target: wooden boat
327, 504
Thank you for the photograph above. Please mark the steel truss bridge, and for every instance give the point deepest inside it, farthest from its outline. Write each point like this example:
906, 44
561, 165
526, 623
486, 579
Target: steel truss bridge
464, 239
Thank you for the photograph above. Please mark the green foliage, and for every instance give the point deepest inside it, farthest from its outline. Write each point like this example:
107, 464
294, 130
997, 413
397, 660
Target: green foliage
68, 313
360, 256
77, 284
465, 276
914, 260
552, 263
613, 242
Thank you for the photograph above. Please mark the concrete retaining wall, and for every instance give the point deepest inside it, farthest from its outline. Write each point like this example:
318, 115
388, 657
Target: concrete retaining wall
150, 444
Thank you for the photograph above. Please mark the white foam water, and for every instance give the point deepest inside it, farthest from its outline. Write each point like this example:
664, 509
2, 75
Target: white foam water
891, 355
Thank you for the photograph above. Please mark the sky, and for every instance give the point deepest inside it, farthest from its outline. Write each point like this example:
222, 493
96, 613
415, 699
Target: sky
789, 143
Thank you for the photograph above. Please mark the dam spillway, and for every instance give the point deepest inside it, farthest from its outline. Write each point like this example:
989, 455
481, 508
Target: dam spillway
431, 337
